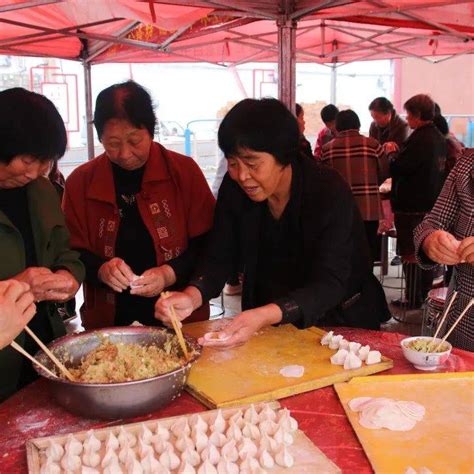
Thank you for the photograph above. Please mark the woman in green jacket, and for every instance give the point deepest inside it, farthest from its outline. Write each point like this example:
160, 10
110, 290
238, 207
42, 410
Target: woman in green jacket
34, 241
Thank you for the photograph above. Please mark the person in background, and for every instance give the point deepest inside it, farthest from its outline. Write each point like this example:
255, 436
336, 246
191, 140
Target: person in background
34, 241
138, 213
417, 178
454, 148
446, 236
388, 128
17, 307
304, 143
295, 226
328, 116
363, 164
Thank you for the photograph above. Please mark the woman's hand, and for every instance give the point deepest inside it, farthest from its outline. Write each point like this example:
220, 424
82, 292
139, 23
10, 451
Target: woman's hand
16, 309
154, 281
390, 147
63, 287
116, 274
244, 326
442, 247
466, 250
184, 302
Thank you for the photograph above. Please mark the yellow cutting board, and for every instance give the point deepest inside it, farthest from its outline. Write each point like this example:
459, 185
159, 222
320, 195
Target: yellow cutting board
250, 373
442, 442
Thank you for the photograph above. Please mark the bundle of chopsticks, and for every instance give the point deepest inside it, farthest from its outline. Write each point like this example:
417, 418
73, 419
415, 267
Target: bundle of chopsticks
446, 312
176, 326
55, 360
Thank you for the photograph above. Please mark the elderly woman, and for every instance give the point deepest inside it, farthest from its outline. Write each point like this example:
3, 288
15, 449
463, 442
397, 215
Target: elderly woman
293, 225
417, 178
138, 213
34, 242
446, 236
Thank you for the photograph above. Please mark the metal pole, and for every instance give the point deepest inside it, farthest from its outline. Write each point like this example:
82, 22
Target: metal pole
89, 116
287, 62
333, 84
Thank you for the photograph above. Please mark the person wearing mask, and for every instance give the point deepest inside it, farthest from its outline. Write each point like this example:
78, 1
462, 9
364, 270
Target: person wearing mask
417, 178
295, 226
328, 116
34, 241
138, 214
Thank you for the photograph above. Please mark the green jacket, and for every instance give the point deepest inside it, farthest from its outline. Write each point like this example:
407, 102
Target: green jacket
52, 251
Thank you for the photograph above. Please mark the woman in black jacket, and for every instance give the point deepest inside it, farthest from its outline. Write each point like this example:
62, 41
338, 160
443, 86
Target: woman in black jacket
294, 227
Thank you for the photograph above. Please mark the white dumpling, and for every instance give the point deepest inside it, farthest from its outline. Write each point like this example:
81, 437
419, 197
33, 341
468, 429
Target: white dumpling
373, 357
266, 459
339, 357
286, 421
251, 431
50, 467
112, 442
150, 465
354, 347
169, 460
145, 434
161, 433
334, 343
211, 453
190, 456
54, 452
363, 351
249, 464
326, 339
344, 344
71, 462
234, 432
247, 448
219, 424
144, 449
126, 454
180, 427
352, 362
134, 467
198, 424
229, 450
266, 414
237, 419
90, 458
185, 468
207, 468
251, 414
268, 426
268, 443
281, 436
72, 446
200, 441
91, 442
161, 446
110, 457
283, 457
89, 470
113, 468
126, 439
217, 439
226, 466
184, 442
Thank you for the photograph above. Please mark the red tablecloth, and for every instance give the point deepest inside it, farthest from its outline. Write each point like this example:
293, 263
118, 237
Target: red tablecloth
31, 413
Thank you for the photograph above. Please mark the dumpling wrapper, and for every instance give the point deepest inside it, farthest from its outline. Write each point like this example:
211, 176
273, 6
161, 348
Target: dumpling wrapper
294, 371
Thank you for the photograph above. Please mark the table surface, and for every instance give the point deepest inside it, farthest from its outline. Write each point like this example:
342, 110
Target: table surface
31, 413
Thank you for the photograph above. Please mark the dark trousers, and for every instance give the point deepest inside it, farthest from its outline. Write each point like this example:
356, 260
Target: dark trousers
418, 282
371, 228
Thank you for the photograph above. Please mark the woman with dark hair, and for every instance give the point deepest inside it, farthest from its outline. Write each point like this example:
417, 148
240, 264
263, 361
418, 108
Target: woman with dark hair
138, 213
417, 178
294, 226
305, 146
34, 242
328, 116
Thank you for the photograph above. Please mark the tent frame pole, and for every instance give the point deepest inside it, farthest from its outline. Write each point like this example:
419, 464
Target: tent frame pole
89, 116
287, 62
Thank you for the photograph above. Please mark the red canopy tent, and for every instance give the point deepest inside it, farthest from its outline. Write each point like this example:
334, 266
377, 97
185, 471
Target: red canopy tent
226, 32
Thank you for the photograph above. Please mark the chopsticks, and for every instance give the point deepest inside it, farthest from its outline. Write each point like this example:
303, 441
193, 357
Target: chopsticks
22, 351
446, 312
56, 361
466, 309
176, 326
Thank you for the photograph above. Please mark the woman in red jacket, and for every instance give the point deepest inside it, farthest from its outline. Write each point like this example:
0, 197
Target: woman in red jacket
138, 213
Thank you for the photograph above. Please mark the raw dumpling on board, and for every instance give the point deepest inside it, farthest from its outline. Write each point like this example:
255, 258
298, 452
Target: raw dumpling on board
198, 424
110, 457
90, 458
344, 344
91, 443
126, 439
286, 421
71, 462
212, 454
190, 456
234, 432
247, 448
326, 339
50, 467
145, 434
207, 468
186, 468
219, 424
162, 433
251, 414
283, 457
339, 357
363, 352
266, 459
72, 446
54, 452
335, 340
169, 460
354, 347
352, 362
229, 451
373, 357
111, 442
226, 466
150, 465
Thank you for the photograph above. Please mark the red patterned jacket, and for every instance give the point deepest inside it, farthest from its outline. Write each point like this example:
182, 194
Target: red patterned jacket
175, 203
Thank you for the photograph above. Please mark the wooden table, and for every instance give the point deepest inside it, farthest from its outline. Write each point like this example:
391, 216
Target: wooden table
31, 413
